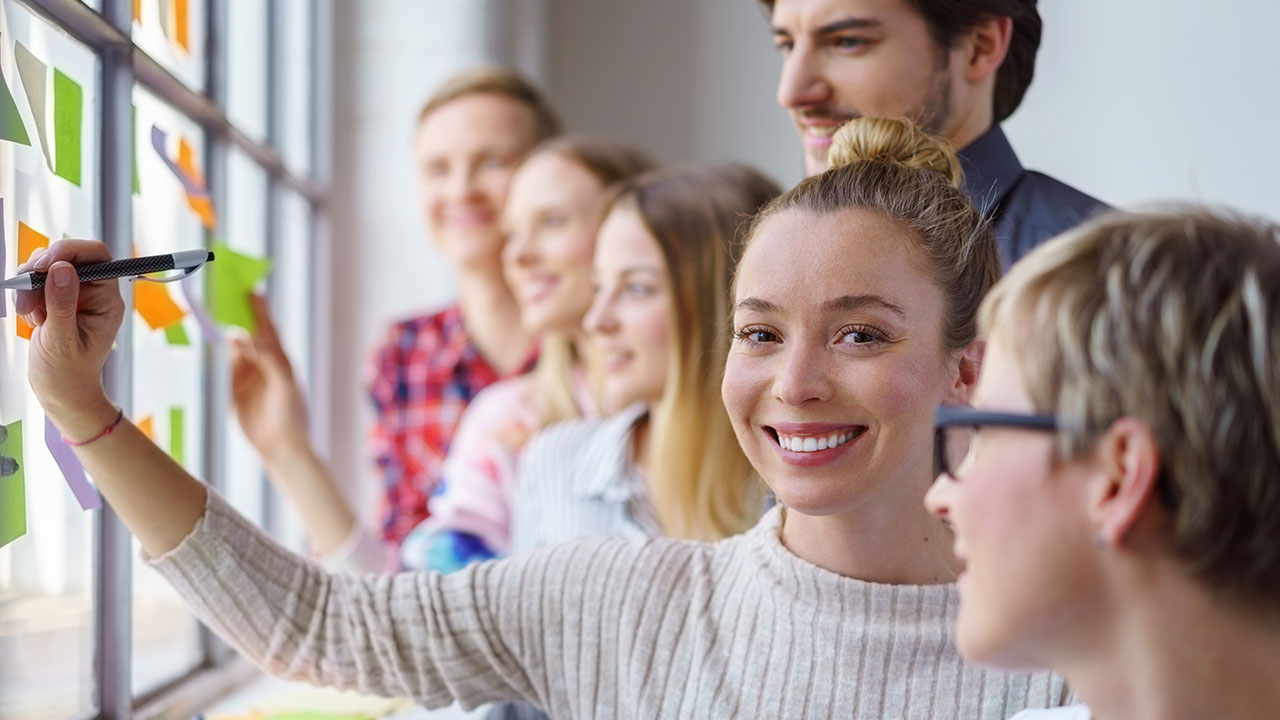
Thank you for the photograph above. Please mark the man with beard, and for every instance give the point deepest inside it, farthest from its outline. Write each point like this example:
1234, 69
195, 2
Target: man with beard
957, 68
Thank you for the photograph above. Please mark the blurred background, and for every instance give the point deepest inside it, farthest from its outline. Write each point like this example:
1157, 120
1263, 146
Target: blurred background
299, 115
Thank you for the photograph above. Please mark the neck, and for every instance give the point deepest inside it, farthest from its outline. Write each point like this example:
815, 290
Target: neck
1172, 651
492, 318
964, 128
890, 538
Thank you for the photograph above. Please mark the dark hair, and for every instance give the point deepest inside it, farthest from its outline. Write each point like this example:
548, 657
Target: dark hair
949, 19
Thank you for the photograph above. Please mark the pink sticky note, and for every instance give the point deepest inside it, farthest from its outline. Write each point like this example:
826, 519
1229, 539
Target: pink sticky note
86, 494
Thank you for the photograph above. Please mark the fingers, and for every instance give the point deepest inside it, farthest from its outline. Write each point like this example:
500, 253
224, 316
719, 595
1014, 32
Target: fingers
61, 302
31, 303
265, 338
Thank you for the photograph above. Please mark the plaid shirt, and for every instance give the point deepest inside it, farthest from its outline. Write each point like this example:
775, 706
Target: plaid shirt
422, 378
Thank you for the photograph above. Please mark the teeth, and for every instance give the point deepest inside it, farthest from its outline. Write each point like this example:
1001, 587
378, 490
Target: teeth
797, 443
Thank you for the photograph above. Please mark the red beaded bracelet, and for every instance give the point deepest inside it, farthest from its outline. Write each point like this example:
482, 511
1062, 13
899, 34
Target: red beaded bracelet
105, 432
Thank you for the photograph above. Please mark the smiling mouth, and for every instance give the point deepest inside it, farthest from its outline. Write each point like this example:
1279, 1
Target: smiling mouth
815, 442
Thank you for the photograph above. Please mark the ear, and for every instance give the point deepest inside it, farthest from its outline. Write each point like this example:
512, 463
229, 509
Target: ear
1129, 461
985, 47
969, 365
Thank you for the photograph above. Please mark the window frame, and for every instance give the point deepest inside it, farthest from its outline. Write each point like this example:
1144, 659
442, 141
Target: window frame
108, 34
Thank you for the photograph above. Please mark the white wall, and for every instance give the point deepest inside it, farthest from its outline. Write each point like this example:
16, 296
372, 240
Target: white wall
1133, 101
1148, 100
390, 56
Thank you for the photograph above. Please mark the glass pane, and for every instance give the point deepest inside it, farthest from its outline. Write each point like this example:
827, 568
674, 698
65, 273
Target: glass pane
48, 190
173, 33
295, 93
246, 228
246, 62
291, 303
168, 367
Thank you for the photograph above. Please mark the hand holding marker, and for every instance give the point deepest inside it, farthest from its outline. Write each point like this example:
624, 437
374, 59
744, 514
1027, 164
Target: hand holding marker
187, 260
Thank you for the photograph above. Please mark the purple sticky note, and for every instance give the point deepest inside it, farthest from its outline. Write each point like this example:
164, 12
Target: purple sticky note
72, 470
207, 328
158, 141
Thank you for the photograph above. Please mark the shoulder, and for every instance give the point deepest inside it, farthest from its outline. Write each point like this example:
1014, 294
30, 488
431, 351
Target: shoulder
1051, 203
1074, 712
571, 438
434, 327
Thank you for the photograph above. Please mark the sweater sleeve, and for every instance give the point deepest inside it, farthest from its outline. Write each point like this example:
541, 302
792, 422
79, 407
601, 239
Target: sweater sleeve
472, 636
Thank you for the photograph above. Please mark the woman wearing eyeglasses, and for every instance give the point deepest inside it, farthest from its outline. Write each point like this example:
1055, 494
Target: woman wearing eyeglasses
853, 320
1115, 492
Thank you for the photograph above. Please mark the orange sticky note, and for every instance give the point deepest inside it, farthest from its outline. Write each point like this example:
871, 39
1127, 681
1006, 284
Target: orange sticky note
28, 241
181, 28
201, 205
153, 303
137, 10
147, 427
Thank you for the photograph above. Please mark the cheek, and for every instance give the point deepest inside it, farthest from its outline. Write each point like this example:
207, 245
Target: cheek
493, 185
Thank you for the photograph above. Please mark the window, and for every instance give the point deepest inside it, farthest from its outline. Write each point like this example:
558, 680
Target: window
86, 629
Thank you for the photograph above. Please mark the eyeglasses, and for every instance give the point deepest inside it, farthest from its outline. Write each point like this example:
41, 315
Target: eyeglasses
955, 427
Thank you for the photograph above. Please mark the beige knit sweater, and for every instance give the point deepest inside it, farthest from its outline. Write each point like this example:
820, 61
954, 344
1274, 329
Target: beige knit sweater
602, 628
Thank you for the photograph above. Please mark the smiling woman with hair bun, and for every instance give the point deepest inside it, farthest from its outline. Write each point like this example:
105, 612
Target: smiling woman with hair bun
853, 320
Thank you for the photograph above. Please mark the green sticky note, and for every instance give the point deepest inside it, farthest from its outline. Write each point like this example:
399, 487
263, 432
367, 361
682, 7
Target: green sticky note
68, 122
177, 335
177, 436
13, 491
233, 277
137, 186
11, 127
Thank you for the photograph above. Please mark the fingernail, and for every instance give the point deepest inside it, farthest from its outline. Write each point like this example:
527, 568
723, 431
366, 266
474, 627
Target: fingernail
62, 275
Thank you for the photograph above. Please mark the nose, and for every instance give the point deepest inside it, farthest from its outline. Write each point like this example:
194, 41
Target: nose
803, 81
938, 500
461, 183
601, 318
519, 250
803, 378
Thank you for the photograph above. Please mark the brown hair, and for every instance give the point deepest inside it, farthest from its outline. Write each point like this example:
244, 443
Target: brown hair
703, 487
949, 19
896, 169
491, 80
609, 162
1172, 317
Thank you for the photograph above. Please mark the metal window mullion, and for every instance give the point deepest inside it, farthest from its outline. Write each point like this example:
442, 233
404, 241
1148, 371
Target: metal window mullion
217, 385
321, 280
271, 504
113, 571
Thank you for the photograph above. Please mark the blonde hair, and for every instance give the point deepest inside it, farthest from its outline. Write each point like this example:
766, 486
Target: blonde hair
702, 485
896, 169
609, 162
1172, 317
493, 80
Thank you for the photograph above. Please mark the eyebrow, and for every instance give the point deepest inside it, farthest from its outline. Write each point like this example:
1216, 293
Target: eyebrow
851, 23
844, 303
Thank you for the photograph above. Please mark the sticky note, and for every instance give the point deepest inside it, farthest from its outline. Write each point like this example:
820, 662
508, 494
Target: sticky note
137, 10
4, 299
11, 127
177, 435
33, 73
72, 471
177, 335
207, 326
185, 170
153, 303
182, 24
28, 241
137, 186
233, 277
13, 491
148, 427
68, 122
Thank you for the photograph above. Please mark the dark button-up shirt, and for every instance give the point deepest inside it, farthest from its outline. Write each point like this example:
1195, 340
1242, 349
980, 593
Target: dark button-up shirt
1027, 207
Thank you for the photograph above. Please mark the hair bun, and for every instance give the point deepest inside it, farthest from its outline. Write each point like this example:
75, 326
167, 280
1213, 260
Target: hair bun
896, 141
